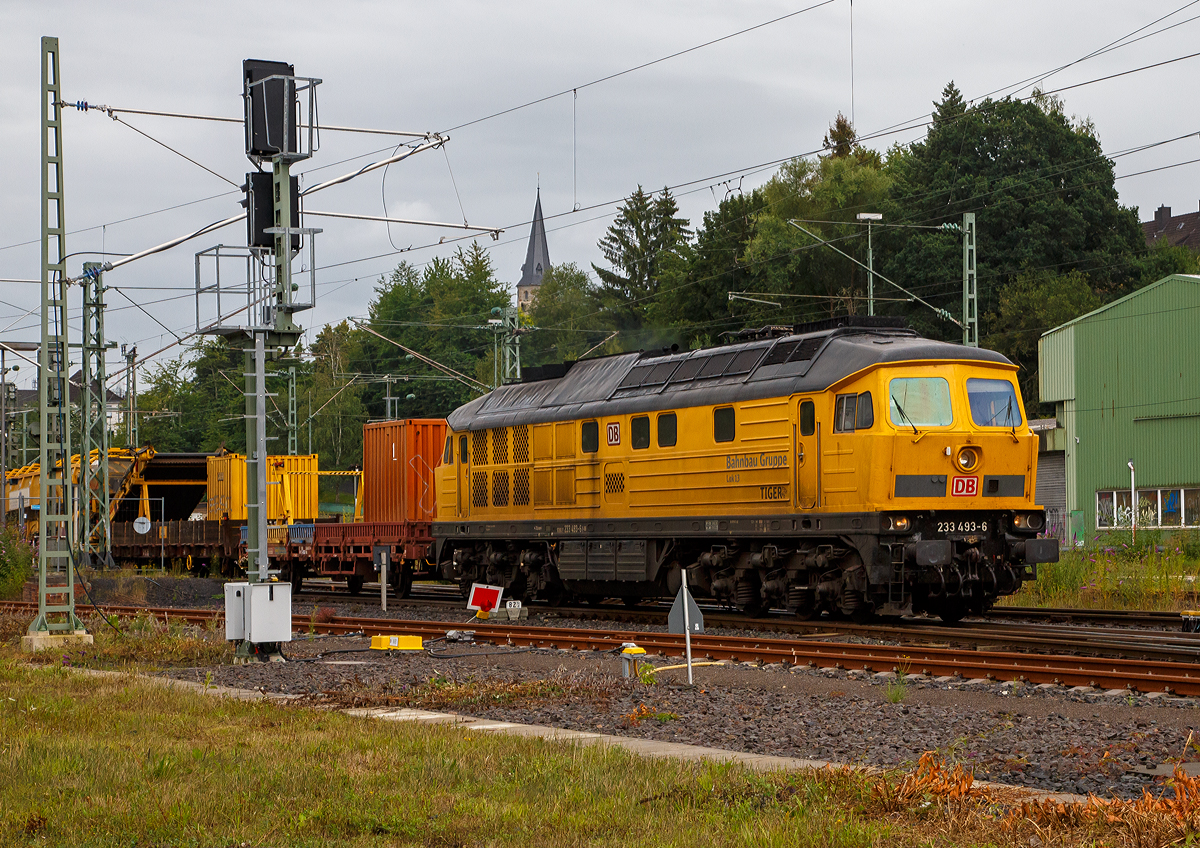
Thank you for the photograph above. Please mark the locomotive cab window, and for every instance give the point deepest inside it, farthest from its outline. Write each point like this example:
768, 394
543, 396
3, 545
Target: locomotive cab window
808, 418
589, 437
724, 424
920, 402
993, 403
845, 413
668, 430
639, 432
462, 449
448, 453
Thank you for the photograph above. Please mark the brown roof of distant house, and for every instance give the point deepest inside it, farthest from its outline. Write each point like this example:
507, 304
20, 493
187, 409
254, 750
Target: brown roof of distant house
1176, 229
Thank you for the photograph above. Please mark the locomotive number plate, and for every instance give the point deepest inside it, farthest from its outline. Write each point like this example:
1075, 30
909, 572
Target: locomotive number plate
962, 526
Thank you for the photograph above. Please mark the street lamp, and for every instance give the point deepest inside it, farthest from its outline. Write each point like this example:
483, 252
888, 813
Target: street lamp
869, 217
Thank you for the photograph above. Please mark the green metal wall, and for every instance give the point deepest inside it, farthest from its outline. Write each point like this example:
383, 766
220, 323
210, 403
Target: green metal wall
1126, 382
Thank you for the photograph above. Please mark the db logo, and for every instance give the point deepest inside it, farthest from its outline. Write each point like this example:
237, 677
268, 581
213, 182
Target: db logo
965, 487
614, 433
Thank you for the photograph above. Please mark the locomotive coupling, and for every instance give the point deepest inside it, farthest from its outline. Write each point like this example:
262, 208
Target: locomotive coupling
930, 552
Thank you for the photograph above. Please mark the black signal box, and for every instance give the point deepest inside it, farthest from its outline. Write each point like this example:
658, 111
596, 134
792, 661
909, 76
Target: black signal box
268, 106
260, 209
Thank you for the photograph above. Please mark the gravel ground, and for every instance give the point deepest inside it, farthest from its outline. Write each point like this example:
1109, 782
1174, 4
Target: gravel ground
1049, 739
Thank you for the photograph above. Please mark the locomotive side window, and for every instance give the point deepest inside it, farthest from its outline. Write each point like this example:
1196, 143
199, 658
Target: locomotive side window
844, 413
668, 430
866, 412
723, 424
462, 449
448, 454
808, 418
639, 429
589, 437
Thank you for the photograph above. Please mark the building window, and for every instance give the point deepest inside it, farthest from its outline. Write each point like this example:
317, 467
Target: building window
668, 430
639, 429
724, 424
1168, 508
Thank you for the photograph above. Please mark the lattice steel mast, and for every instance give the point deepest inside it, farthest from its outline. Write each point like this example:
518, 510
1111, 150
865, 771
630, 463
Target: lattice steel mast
55, 501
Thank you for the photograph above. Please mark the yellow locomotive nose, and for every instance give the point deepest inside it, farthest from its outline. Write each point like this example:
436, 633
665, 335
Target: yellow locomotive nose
967, 459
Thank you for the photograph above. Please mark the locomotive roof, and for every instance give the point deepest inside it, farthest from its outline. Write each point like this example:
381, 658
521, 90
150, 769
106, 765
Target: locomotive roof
651, 381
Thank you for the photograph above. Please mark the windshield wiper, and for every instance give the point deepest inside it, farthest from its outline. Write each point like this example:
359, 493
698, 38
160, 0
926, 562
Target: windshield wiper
905, 417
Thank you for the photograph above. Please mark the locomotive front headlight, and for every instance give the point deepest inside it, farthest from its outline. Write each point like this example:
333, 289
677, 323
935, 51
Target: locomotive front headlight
898, 522
967, 459
1028, 521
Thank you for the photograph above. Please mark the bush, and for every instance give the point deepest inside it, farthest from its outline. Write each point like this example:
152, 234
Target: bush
16, 563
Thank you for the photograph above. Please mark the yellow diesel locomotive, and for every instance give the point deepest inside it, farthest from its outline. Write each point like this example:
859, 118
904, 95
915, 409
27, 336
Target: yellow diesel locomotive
849, 466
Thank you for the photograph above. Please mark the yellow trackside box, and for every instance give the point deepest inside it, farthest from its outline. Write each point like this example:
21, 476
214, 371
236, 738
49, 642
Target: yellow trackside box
396, 643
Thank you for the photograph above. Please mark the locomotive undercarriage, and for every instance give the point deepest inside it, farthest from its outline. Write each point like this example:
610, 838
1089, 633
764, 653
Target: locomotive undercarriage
854, 575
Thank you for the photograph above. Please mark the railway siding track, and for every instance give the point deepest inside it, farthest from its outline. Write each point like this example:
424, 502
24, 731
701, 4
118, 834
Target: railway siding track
1182, 678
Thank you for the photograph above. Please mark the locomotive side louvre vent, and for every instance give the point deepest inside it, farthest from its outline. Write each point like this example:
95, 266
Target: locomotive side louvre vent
499, 488
543, 487
564, 486
521, 447
479, 489
500, 446
479, 447
635, 376
614, 483
745, 361
521, 487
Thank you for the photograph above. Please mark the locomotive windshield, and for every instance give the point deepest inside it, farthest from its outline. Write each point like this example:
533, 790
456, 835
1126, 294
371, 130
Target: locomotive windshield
920, 402
993, 403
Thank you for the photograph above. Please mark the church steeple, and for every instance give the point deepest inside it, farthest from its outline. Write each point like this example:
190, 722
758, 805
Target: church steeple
537, 258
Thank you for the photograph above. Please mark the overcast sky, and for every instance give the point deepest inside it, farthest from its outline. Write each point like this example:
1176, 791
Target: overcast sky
761, 96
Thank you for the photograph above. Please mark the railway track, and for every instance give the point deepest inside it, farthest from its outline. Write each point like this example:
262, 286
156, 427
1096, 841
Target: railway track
1178, 676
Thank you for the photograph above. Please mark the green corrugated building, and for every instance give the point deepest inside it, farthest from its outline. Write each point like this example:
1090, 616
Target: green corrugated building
1125, 381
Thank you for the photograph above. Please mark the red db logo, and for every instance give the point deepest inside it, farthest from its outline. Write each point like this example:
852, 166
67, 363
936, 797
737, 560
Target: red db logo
965, 487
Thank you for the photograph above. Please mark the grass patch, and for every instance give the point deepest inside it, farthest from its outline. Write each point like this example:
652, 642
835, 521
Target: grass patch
125, 761
1112, 574
140, 643
16, 562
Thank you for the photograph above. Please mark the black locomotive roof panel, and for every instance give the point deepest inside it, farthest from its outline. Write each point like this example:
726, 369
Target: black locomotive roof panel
633, 382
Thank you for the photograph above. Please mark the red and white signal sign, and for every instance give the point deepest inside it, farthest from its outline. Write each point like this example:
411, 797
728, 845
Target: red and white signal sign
483, 597
614, 433
965, 487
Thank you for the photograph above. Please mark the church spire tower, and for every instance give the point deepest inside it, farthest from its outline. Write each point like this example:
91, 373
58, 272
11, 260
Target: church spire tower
537, 259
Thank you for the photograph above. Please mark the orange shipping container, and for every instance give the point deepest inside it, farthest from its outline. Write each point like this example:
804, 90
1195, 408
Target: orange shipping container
399, 458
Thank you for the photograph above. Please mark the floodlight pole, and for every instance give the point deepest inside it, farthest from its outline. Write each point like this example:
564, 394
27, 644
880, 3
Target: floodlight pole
870, 217
970, 322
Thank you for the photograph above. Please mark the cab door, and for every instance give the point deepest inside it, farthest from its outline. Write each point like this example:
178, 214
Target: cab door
808, 451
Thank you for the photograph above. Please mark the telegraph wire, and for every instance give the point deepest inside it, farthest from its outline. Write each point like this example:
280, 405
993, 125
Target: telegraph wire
642, 66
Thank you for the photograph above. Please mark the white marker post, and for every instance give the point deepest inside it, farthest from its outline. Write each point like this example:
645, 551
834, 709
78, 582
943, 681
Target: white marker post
383, 581
687, 625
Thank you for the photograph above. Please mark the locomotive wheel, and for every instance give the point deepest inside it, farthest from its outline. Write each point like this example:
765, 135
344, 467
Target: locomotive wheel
952, 612
354, 584
406, 580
